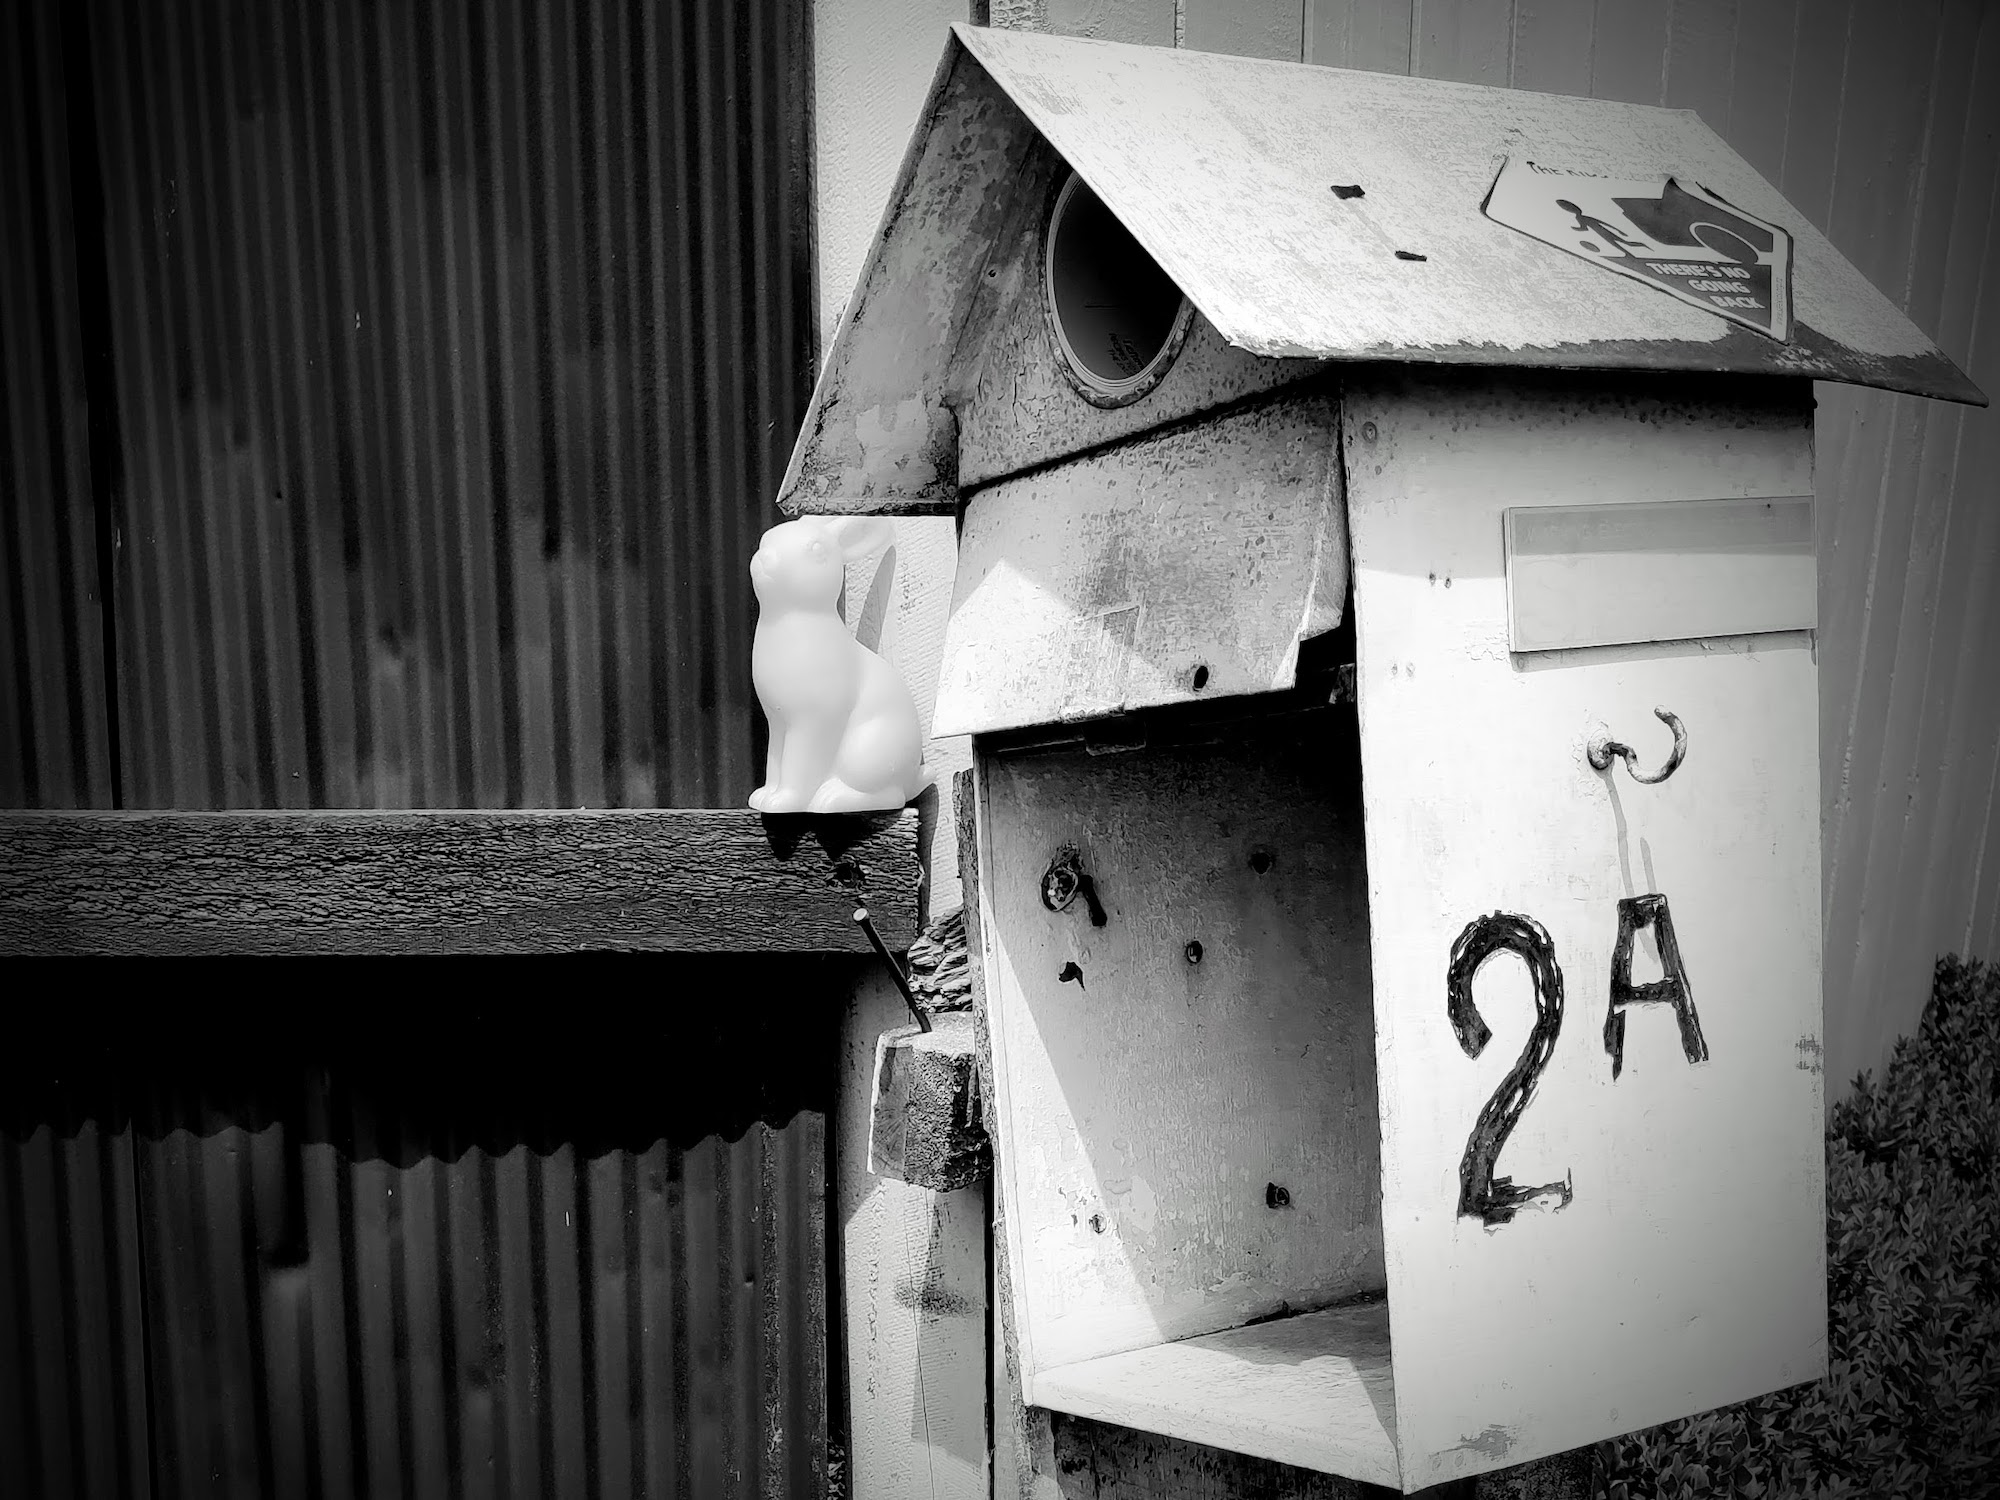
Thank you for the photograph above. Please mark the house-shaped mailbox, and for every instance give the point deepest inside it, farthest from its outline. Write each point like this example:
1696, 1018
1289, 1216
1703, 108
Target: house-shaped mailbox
1383, 1085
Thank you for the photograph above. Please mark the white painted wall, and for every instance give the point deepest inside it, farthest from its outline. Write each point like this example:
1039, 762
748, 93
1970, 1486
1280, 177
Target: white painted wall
913, 1273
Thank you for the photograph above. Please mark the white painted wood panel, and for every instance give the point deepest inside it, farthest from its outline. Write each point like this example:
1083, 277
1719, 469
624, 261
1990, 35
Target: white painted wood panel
1148, 1103
1607, 575
1687, 1272
1181, 566
912, 1294
1312, 1390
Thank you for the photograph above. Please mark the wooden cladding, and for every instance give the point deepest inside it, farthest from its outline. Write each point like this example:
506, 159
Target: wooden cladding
171, 884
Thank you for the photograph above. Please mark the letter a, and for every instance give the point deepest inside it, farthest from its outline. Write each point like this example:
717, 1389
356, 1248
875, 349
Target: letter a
1635, 912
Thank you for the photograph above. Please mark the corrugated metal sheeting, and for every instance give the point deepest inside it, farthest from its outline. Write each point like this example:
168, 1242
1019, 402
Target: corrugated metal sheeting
1880, 121
417, 376
55, 748
333, 1267
458, 350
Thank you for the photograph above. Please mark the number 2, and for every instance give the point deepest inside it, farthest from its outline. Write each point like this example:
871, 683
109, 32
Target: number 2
1480, 1194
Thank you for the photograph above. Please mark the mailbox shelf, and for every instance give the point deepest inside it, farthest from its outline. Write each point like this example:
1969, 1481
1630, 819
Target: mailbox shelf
1313, 1389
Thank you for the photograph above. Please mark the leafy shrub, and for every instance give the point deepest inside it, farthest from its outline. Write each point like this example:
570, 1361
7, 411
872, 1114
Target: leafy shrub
1910, 1406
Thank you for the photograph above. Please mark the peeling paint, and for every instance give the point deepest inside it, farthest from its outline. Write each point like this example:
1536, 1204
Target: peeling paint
1495, 1442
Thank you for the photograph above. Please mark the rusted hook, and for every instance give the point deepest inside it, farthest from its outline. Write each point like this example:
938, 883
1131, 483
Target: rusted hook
1602, 749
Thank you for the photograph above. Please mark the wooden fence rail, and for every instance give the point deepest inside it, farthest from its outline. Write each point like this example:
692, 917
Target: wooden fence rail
178, 883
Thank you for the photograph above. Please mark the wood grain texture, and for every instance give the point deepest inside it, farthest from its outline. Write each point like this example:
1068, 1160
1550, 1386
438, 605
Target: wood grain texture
925, 1122
1312, 1390
452, 882
1149, 1103
1688, 1270
1185, 566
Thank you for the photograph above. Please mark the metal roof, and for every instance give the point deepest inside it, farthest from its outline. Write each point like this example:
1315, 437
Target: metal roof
1223, 168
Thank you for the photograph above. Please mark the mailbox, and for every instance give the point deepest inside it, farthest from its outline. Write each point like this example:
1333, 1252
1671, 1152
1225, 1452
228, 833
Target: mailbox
1385, 617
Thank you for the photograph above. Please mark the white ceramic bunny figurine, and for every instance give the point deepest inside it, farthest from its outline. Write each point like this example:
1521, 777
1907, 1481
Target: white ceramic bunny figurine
844, 731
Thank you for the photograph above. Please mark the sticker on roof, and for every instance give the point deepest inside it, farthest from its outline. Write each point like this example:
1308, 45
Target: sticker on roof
1678, 237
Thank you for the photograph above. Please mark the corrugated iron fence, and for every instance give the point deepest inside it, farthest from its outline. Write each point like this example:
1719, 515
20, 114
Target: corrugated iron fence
407, 1255
390, 397
451, 353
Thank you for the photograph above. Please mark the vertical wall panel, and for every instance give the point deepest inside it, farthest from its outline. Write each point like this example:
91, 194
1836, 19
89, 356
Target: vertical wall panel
1372, 34
1245, 28
459, 348
1464, 40
1552, 45
54, 737
1628, 51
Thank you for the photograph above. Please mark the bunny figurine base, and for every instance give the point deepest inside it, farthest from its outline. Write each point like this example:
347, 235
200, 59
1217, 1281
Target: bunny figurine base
844, 729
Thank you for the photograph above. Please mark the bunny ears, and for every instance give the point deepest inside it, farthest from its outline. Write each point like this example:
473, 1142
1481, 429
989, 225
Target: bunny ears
857, 536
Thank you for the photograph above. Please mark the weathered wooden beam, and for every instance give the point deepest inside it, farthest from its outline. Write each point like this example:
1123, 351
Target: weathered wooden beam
926, 1127
172, 883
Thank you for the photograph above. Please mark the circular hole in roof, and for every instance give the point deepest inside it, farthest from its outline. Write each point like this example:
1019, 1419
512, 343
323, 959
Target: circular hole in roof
1116, 318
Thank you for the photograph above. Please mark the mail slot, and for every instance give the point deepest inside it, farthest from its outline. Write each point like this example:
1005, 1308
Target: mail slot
1389, 649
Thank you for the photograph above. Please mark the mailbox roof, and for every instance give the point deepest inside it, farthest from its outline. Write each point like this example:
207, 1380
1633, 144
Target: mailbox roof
1222, 167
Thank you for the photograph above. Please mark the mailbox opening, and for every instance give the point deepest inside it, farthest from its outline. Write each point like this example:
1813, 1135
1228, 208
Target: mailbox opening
1116, 318
1197, 1126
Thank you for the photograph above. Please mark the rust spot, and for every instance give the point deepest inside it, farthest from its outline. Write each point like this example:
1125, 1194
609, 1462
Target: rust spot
1276, 1197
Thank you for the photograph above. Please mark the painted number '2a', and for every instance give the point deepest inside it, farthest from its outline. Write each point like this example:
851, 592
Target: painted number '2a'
1482, 1194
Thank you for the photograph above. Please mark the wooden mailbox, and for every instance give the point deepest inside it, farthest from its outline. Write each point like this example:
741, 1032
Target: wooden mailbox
1394, 1075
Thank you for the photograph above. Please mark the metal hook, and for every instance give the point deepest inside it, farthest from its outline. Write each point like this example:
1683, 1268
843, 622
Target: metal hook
1602, 749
